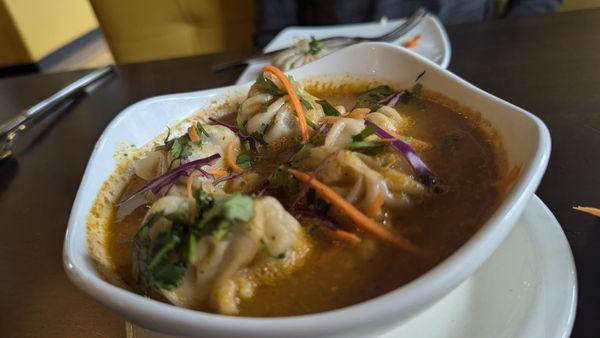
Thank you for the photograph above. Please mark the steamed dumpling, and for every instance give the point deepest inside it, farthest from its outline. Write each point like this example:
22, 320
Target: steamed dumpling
365, 180
272, 114
158, 162
299, 54
389, 119
267, 247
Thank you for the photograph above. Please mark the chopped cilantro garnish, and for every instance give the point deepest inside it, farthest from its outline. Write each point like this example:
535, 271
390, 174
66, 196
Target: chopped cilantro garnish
315, 46
161, 261
200, 130
260, 133
244, 161
370, 98
268, 86
284, 181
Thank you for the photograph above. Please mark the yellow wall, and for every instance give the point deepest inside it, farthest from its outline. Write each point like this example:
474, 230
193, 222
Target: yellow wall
12, 48
573, 5
41, 27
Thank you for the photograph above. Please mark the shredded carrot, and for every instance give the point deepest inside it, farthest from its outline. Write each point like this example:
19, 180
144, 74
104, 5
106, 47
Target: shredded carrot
330, 119
190, 182
375, 208
193, 133
293, 97
361, 220
334, 119
359, 113
217, 172
589, 210
412, 43
230, 160
340, 235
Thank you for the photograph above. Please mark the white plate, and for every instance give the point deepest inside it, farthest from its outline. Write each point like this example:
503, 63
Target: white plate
527, 289
434, 44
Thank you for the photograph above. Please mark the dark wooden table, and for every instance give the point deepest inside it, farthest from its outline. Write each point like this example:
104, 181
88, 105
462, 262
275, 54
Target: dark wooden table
549, 65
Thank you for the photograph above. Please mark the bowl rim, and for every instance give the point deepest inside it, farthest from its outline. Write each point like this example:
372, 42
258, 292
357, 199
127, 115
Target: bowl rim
412, 296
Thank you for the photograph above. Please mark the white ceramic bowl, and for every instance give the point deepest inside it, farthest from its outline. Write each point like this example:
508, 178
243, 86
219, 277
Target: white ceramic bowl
525, 137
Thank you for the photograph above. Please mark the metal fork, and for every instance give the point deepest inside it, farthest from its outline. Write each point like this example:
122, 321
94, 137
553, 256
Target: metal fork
13, 127
337, 41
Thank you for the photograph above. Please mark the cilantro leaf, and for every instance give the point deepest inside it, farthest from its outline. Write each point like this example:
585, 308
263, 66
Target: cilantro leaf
369, 98
240, 123
328, 109
151, 265
224, 214
268, 86
166, 275
200, 130
284, 181
180, 215
244, 161
203, 200
235, 207
314, 46
189, 249
259, 134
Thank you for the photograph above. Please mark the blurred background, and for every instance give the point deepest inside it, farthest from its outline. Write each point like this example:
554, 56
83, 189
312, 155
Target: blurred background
60, 35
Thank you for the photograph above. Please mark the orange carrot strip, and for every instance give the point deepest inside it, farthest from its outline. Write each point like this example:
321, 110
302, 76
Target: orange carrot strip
217, 172
229, 158
293, 97
361, 220
193, 134
342, 236
412, 43
190, 181
589, 210
359, 113
375, 208
330, 119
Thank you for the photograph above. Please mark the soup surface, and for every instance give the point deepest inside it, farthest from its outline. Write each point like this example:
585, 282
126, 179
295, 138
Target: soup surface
437, 218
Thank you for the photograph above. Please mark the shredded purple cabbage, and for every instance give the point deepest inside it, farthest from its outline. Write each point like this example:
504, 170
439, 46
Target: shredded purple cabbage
262, 188
393, 99
226, 178
243, 138
157, 183
323, 129
325, 220
421, 170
